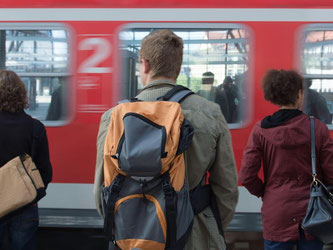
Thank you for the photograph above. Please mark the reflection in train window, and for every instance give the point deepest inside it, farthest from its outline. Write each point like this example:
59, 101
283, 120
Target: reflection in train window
41, 58
214, 64
317, 68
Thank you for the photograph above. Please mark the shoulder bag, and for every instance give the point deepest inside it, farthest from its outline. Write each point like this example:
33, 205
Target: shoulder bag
20, 182
318, 220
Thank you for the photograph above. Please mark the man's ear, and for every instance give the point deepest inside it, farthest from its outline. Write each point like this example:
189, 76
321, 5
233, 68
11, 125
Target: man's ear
146, 66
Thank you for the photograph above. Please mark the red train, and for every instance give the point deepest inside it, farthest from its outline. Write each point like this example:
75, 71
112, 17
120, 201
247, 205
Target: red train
79, 57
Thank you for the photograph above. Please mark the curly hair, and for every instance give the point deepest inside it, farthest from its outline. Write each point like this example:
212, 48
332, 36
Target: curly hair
13, 95
281, 87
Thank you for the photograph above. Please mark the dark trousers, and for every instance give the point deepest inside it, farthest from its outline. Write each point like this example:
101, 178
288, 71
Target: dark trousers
21, 228
302, 244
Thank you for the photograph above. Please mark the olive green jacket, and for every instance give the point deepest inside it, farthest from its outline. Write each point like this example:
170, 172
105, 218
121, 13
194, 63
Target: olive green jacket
211, 150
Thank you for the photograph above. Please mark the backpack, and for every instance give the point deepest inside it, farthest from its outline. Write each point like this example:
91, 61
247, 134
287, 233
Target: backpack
145, 194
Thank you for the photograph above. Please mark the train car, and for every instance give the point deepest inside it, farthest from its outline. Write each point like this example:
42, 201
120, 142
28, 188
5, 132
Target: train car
78, 58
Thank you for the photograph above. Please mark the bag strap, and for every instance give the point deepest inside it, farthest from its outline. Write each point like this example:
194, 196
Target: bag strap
111, 203
171, 211
313, 147
176, 94
313, 163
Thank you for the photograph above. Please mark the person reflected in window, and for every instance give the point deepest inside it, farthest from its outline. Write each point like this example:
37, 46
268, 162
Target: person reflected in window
32, 95
212, 93
315, 104
56, 108
231, 92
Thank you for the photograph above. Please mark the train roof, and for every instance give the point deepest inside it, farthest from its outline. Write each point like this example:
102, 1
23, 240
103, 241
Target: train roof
166, 4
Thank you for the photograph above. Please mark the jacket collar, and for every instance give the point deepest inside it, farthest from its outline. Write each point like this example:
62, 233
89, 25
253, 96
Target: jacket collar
280, 117
159, 83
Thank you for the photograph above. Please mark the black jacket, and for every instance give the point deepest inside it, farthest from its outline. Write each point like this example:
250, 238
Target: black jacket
16, 137
315, 104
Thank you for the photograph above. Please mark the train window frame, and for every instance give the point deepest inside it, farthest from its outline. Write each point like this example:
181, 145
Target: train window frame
300, 40
247, 107
68, 74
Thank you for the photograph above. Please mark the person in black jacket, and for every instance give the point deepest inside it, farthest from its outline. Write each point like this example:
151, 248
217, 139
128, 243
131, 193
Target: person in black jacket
213, 94
56, 109
231, 91
315, 104
16, 137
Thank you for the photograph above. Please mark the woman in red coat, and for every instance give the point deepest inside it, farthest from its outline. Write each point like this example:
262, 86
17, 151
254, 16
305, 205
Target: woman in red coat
281, 144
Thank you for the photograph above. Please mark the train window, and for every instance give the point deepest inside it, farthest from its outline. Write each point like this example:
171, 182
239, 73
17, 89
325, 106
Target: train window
317, 68
40, 56
216, 51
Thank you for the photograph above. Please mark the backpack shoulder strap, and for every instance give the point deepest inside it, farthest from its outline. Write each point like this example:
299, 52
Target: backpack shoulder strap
176, 94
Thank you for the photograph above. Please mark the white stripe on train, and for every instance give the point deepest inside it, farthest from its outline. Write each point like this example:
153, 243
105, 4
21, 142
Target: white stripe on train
80, 196
167, 14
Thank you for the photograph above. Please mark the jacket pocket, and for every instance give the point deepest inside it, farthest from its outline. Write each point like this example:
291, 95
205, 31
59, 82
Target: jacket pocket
205, 234
215, 239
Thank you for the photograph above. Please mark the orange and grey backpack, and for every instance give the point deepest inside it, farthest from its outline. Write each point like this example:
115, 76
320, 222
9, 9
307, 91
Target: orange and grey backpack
146, 198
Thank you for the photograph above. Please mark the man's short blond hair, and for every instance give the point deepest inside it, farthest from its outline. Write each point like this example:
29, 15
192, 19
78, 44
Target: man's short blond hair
163, 50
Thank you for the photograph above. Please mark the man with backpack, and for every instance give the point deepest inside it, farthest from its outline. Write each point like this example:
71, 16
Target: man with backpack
210, 151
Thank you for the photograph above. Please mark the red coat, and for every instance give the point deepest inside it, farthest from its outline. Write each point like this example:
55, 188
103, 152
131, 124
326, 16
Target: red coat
284, 152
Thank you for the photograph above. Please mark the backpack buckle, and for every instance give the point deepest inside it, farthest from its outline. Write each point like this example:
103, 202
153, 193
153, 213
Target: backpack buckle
166, 184
167, 188
115, 188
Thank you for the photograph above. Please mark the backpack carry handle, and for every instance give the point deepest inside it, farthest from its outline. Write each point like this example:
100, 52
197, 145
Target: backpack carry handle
129, 100
176, 94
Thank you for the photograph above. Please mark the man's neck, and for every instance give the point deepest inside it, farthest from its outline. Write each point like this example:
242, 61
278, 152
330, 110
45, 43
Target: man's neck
207, 87
150, 79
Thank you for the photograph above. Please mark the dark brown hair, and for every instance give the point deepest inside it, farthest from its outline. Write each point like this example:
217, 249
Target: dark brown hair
13, 95
164, 51
208, 78
281, 87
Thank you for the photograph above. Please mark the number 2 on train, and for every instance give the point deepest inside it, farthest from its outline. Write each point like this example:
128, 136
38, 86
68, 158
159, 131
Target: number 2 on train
102, 50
